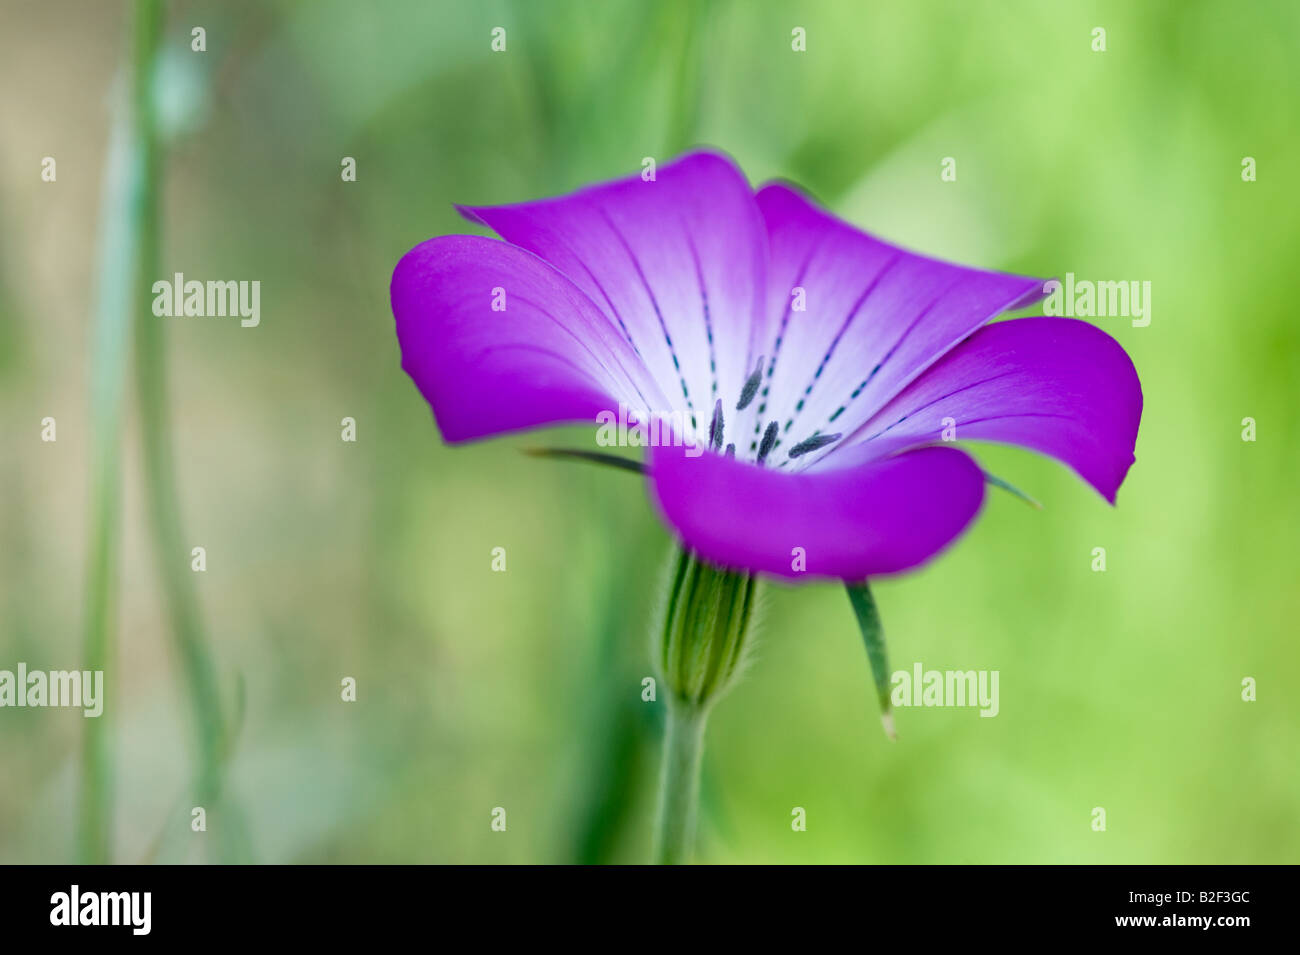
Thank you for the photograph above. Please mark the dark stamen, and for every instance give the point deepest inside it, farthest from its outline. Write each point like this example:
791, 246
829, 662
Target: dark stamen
748, 392
731, 450
813, 443
769, 439
715, 426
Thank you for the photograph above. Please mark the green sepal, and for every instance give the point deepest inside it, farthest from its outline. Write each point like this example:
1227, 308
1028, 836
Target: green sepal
1011, 489
873, 636
592, 457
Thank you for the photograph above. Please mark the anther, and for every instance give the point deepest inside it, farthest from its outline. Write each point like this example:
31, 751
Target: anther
813, 443
769, 439
716, 425
748, 392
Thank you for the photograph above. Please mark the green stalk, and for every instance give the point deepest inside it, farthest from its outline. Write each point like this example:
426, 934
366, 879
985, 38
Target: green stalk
127, 208
679, 784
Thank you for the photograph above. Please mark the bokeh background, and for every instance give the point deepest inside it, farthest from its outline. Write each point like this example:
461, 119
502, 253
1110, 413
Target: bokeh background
522, 689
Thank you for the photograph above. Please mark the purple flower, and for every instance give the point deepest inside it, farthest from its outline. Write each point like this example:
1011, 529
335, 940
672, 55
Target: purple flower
827, 369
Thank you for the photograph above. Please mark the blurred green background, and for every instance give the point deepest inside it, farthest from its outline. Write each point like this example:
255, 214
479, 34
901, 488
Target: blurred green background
522, 689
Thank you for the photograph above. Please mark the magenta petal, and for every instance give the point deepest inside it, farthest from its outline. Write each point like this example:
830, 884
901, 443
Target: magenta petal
550, 356
675, 263
875, 315
1056, 385
851, 523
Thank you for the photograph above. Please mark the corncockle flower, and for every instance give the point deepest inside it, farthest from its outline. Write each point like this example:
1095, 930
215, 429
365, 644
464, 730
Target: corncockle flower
827, 371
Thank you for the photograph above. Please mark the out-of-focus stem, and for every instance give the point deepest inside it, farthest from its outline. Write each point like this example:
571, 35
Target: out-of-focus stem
128, 208
162, 499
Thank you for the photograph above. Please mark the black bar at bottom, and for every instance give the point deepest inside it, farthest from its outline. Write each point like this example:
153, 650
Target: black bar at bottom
372, 904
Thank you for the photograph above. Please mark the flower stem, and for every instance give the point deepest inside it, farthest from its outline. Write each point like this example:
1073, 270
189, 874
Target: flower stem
679, 784
707, 621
